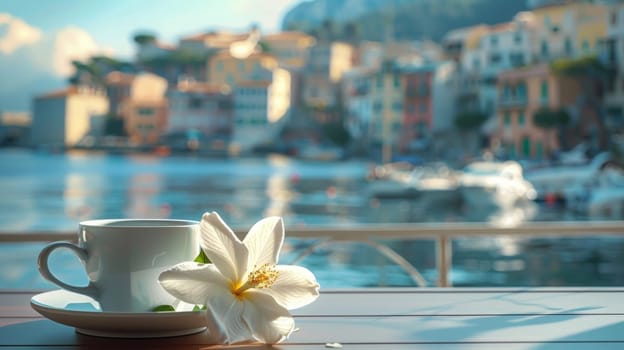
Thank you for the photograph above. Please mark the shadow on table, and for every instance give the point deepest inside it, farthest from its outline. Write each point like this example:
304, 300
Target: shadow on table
45, 333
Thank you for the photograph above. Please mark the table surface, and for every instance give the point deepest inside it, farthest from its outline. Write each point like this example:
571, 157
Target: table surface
406, 318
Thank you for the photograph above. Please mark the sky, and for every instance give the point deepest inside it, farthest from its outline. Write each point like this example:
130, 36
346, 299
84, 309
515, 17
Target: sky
40, 38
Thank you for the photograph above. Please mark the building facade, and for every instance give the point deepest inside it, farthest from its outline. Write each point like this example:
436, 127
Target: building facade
145, 111
63, 118
522, 93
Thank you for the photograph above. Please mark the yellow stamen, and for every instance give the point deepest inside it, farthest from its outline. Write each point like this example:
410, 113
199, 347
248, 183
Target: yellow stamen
261, 277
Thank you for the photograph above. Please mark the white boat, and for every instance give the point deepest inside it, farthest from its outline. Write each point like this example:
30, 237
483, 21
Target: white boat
602, 197
495, 185
435, 183
432, 182
557, 180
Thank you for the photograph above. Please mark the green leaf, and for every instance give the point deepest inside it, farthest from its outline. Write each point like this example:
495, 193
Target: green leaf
163, 308
199, 307
202, 258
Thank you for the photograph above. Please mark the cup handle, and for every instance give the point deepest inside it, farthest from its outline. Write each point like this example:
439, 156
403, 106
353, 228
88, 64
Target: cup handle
44, 269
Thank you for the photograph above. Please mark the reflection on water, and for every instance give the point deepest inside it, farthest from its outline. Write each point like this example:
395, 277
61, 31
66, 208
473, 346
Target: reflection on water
56, 191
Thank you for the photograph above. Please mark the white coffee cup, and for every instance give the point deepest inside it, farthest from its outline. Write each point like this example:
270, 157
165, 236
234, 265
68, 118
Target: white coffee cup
123, 258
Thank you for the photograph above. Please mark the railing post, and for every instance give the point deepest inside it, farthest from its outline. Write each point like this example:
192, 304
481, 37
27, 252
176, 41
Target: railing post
444, 255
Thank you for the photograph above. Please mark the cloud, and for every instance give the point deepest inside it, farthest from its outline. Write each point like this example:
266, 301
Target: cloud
33, 62
15, 33
73, 43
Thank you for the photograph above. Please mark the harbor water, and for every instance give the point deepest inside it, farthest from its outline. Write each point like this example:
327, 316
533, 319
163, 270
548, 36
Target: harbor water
53, 192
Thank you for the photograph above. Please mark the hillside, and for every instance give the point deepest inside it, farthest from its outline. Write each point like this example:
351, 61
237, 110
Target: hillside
412, 19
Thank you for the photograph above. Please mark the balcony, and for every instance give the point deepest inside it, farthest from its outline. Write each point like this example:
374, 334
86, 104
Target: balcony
512, 101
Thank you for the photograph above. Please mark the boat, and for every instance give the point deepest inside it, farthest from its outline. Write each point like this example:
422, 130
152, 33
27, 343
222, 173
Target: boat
602, 197
434, 182
390, 180
555, 181
493, 184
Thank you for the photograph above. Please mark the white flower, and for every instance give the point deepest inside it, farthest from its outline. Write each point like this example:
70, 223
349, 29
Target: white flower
243, 287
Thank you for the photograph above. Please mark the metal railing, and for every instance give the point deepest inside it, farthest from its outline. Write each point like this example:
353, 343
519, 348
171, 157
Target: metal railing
372, 234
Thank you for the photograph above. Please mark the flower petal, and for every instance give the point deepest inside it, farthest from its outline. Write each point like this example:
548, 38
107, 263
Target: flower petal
268, 321
264, 241
228, 310
193, 283
222, 247
294, 287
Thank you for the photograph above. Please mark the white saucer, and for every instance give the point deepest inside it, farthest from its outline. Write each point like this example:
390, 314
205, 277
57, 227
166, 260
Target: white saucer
83, 313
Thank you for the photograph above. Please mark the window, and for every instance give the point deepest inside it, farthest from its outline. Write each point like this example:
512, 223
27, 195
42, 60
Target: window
146, 111
521, 119
495, 58
507, 119
614, 18
423, 107
544, 92
567, 46
397, 106
494, 40
195, 103
380, 80
397, 80
516, 59
544, 48
377, 106
517, 37
521, 92
585, 46
526, 146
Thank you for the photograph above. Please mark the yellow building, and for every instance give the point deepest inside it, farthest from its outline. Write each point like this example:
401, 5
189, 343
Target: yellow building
572, 29
290, 48
326, 64
224, 69
63, 118
522, 92
214, 40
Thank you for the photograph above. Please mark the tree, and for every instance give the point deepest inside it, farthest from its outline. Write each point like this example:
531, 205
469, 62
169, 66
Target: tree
264, 47
551, 119
469, 120
468, 124
337, 133
144, 38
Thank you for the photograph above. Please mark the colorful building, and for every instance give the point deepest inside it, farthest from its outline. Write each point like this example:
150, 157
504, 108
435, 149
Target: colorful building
118, 86
224, 69
290, 48
612, 56
387, 96
145, 110
63, 118
417, 106
523, 92
199, 107
260, 109
568, 29
326, 64
209, 42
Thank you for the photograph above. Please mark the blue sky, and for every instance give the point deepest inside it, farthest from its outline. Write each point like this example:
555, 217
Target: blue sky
39, 38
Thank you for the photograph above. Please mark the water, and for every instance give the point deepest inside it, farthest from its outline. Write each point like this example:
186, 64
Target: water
53, 192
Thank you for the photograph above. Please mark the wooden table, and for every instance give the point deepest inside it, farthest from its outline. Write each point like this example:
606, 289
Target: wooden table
475, 318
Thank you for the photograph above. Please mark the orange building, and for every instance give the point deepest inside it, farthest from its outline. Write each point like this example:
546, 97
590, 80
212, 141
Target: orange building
521, 93
145, 110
